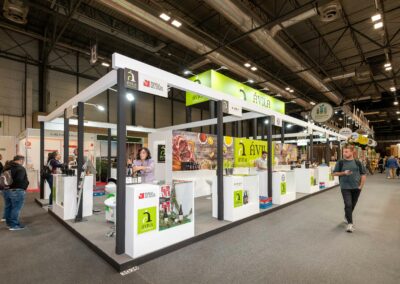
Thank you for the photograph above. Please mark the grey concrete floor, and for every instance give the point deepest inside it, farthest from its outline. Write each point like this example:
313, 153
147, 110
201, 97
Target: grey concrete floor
302, 243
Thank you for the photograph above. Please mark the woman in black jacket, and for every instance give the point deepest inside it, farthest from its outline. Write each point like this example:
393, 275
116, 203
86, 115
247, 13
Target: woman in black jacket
53, 163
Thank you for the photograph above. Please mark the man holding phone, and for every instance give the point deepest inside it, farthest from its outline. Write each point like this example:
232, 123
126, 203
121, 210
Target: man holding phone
352, 176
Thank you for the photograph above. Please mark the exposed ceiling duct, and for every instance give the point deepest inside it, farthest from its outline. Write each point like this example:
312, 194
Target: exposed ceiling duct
263, 37
150, 21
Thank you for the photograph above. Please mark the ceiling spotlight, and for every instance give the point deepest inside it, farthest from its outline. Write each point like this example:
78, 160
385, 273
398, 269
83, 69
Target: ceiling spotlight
392, 89
266, 121
397, 112
222, 68
396, 102
340, 118
336, 112
378, 25
387, 64
291, 91
187, 72
376, 17
101, 108
312, 103
388, 68
130, 97
105, 64
289, 125
253, 68
251, 81
287, 89
398, 118
165, 17
278, 95
176, 23
247, 64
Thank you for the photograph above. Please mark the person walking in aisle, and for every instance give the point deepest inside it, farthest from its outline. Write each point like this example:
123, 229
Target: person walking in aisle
392, 165
15, 195
352, 177
380, 165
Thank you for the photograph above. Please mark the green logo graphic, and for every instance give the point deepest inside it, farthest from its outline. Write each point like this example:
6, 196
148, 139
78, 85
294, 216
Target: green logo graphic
248, 150
312, 180
224, 84
147, 218
283, 188
237, 198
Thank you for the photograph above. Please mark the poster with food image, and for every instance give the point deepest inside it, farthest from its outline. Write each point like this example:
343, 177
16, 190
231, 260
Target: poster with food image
198, 151
285, 154
176, 205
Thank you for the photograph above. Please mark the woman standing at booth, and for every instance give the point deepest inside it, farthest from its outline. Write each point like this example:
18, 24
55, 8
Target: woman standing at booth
144, 165
54, 164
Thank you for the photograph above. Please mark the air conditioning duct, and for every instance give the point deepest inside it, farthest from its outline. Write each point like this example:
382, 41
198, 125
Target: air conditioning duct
16, 11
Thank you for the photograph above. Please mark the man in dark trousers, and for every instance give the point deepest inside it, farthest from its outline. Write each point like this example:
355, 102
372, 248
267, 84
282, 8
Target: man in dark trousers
352, 176
15, 195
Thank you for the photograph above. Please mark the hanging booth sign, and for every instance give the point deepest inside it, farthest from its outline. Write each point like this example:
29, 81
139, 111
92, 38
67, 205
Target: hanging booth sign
232, 109
145, 83
322, 112
276, 121
222, 83
362, 140
345, 132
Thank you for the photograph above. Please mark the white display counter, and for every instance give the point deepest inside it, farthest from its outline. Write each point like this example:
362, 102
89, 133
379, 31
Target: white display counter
322, 176
202, 180
305, 180
65, 196
283, 187
146, 230
241, 197
263, 183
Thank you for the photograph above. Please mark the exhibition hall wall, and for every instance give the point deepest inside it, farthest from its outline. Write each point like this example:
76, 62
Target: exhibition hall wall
64, 84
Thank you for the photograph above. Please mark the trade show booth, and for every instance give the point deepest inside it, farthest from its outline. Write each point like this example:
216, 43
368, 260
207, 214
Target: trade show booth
203, 182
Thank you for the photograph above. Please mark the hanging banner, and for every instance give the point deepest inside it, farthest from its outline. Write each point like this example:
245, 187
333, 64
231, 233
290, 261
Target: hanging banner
222, 83
322, 112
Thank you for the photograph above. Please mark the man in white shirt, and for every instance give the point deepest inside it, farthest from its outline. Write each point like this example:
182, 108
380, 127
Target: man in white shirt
261, 163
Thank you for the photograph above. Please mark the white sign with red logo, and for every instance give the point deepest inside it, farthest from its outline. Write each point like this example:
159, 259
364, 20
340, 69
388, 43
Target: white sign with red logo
152, 85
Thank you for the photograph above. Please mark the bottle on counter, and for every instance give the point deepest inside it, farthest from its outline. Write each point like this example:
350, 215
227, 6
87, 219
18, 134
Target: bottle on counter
180, 216
134, 178
245, 197
139, 177
165, 216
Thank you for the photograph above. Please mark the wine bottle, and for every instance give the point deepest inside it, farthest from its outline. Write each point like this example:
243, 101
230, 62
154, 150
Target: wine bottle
165, 216
134, 179
139, 177
180, 213
245, 197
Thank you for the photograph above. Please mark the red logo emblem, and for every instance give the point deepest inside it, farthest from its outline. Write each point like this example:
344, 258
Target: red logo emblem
141, 195
146, 83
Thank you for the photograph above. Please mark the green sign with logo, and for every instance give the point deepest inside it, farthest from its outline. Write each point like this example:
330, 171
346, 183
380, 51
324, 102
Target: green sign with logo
283, 188
147, 219
247, 151
222, 83
237, 198
312, 180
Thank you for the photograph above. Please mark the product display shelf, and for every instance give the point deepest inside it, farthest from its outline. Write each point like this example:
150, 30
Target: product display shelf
283, 187
305, 180
241, 197
65, 196
144, 233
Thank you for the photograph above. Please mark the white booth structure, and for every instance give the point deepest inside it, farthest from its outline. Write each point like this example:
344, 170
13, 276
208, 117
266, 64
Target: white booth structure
155, 216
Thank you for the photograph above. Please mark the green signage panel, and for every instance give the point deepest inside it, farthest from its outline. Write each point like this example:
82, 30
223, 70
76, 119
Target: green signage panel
312, 181
237, 198
147, 218
222, 83
283, 188
248, 150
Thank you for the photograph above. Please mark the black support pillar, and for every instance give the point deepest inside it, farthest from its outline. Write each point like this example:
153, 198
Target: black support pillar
212, 115
311, 147
255, 126
66, 138
269, 159
283, 133
121, 165
108, 153
42, 181
220, 160
81, 132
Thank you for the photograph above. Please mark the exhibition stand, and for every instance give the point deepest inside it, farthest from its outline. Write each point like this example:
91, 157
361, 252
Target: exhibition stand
65, 196
153, 219
305, 180
241, 197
